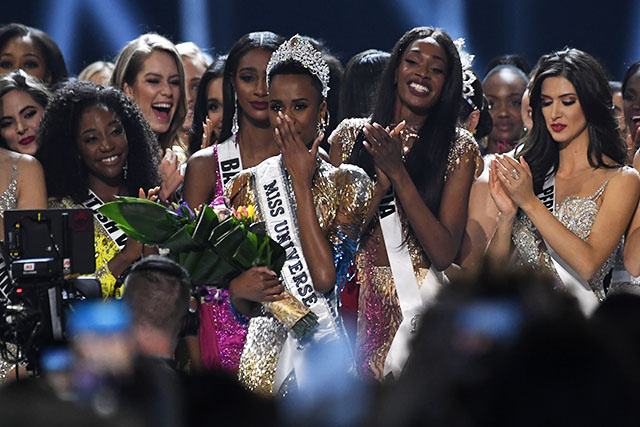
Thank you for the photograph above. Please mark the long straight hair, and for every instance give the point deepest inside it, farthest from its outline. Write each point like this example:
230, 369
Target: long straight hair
427, 161
592, 87
265, 40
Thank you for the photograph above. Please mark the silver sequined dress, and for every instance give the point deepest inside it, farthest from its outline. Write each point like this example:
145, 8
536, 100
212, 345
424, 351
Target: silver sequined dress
577, 214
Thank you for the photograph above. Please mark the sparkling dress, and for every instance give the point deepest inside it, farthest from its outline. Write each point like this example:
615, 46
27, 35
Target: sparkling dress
379, 313
341, 197
8, 200
577, 214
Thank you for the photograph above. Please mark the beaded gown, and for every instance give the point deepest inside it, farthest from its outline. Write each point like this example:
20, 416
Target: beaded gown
341, 197
578, 215
379, 312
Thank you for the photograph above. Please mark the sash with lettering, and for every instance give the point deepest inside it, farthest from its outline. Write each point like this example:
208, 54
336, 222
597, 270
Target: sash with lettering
277, 207
229, 160
109, 226
413, 299
572, 281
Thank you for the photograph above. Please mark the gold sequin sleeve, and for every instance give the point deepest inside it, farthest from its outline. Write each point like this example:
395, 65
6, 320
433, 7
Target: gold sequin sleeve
464, 150
344, 136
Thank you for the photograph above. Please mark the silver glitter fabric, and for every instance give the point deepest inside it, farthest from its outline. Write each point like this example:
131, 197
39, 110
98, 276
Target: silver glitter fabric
8, 199
577, 214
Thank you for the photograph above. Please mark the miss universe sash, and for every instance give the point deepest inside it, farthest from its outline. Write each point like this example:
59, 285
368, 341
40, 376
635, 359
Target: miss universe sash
413, 299
109, 226
277, 206
572, 281
229, 160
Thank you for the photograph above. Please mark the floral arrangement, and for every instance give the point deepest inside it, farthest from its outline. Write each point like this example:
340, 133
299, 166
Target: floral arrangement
213, 243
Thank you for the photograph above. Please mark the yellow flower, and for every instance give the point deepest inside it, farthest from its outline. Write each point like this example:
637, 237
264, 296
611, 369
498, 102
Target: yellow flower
251, 211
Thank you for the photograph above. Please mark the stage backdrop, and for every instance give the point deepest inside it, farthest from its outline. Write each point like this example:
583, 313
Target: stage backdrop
89, 30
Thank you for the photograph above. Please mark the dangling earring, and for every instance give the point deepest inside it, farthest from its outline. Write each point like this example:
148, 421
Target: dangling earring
125, 170
234, 122
321, 126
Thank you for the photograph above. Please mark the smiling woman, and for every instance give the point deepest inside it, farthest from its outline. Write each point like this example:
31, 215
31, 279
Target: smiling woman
96, 145
33, 51
22, 101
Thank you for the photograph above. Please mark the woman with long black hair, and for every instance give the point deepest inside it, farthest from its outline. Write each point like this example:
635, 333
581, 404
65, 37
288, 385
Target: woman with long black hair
423, 165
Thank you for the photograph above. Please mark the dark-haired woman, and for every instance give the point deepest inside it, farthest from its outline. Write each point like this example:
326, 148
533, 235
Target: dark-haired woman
31, 50
315, 211
481, 222
245, 140
424, 166
567, 199
97, 145
23, 99
201, 183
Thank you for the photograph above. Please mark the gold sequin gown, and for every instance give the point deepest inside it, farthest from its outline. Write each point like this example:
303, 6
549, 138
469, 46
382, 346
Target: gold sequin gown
341, 197
379, 312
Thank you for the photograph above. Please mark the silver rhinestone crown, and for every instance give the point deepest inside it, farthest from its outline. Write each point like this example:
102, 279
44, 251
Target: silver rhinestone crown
300, 50
467, 75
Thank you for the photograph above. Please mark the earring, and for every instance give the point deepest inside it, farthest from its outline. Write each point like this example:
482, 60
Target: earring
234, 122
321, 126
125, 170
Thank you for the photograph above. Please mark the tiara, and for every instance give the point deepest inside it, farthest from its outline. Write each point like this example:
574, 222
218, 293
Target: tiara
300, 50
468, 78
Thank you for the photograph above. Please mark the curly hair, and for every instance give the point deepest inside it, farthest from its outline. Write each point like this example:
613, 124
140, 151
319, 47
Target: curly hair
65, 174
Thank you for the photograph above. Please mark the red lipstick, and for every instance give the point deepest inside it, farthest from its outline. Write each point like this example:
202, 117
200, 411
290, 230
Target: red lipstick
558, 127
259, 105
27, 140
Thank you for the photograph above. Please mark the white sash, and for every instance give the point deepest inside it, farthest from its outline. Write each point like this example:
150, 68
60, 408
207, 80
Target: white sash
109, 226
276, 203
229, 160
576, 285
413, 299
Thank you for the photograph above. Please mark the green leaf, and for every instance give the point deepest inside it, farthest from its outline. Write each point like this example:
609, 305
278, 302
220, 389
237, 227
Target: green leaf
205, 223
181, 241
247, 252
228, 243
222, 228
146, 218
206, 265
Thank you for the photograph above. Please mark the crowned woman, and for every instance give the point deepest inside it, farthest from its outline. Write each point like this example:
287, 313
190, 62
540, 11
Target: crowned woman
314, 210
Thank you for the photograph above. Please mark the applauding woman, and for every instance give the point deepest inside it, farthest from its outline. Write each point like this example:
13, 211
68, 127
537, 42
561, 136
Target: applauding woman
567, 199
424, 166
313, 209
96, 145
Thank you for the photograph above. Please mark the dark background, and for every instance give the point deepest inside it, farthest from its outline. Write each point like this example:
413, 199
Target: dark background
88, 30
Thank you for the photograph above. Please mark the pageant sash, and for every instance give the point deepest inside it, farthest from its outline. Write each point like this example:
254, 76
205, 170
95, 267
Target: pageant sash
229, 160
576, 285
413, 299
109, 226
277, 205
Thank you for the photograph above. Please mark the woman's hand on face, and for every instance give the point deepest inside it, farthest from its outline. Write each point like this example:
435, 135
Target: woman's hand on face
300, 161
169, 169
516, 179
207, 131
258, 284
503, 202
386, 148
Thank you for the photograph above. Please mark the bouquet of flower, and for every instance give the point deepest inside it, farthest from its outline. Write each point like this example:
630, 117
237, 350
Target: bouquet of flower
213, 243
